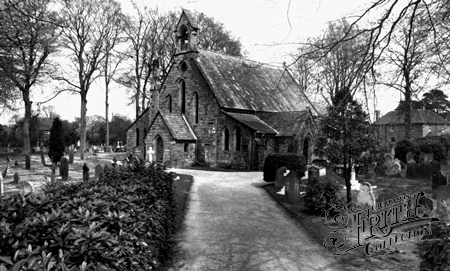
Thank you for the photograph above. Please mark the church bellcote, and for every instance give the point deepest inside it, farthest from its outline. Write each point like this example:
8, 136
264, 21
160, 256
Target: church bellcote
186, 33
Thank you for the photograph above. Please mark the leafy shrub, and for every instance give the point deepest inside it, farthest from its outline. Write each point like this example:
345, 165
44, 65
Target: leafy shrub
436, 148
291, 161
322, 196
434, 248
403, 147
123, 221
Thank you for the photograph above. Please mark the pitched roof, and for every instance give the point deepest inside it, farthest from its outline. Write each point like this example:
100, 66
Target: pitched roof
252, 122
45, 124
418, 116
243, 84
178, 126
286, 123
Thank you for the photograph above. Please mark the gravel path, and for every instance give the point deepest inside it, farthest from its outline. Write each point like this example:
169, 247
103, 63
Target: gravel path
233, 224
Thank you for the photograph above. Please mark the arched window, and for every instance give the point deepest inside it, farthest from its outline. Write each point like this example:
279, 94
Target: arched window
237, 139
182, 97
137, 137
195, 107
169, 103
226, 139
184, 38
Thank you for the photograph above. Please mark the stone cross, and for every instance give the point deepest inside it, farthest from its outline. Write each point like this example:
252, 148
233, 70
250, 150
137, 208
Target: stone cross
64, 168
27, 162
150, 153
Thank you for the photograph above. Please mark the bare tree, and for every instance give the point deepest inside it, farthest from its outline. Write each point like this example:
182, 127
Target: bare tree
49, 112
85, 35
214, 37
110, 67
28, 36
151, 46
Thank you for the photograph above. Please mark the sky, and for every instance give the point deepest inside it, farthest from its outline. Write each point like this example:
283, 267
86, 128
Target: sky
268, 30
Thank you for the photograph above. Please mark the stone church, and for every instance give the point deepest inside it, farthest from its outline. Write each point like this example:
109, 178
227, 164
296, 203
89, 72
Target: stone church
218, 110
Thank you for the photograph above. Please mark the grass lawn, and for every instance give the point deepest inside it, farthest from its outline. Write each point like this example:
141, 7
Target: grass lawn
403, 257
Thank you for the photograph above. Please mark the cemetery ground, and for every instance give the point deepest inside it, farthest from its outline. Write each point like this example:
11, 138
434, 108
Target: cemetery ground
405, 256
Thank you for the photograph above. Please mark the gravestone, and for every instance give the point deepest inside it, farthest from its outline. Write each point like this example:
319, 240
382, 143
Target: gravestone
7, 172
426, 203
106, 169
424, 171
125, 163
443, 196
279, 177
313, 175
388, 160
42, 158
25, 188
435, 167
16, 164
16, 178
354, 184
64, 168
411, 170
71, 155
52, 177
380, 169
98, 170
394, 170
370, 172
365, 195
85, 173
422, 157
438, 179
410, 157
27, 162
428, 157
292, 190
386, 195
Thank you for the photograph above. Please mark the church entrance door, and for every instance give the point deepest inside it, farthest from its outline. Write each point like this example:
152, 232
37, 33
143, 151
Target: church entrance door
159, 149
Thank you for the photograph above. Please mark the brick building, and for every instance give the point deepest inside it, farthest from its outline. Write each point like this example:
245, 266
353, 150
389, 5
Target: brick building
391, 127
218, 110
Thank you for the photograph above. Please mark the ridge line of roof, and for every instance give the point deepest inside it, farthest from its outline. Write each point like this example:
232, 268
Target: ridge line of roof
240, 58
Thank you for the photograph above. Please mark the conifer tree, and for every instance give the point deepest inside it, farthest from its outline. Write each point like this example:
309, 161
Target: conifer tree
57, 145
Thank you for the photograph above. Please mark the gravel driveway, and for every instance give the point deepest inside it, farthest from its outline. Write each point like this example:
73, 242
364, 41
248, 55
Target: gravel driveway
233, 224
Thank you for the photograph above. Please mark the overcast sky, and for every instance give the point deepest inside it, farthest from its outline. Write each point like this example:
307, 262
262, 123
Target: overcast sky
268, 30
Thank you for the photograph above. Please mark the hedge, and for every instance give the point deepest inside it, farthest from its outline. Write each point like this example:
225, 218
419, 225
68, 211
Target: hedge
123, 221
291, 161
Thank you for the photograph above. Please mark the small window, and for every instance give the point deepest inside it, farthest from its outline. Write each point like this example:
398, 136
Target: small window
237, 138
182, 97
392, 139
195, 107
186, 147
226, 139
137, 137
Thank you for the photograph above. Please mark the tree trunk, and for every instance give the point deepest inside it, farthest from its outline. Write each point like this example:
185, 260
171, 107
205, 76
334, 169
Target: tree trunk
348, 184
107, 113
83, 125
408, 111
26, 123
136, 97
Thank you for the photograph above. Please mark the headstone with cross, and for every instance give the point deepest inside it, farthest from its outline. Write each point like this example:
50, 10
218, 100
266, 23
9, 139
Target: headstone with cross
150, 153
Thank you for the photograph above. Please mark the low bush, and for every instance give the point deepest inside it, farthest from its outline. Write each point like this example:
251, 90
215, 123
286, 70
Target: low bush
322, 196
403, 147
123, 221
291, 161
436, 148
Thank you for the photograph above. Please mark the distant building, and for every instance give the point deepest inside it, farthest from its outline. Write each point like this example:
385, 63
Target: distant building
219, 110
391, 127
